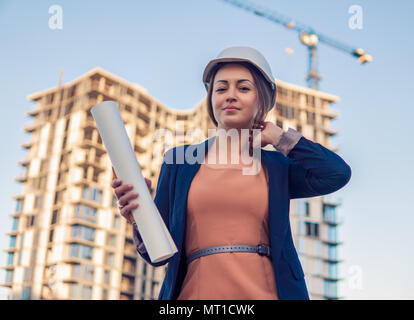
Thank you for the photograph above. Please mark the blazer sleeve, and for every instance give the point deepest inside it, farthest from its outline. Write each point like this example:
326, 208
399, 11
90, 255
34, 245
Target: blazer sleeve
313, 169
162, 201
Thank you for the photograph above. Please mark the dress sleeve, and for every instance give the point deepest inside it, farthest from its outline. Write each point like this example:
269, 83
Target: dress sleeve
313, 169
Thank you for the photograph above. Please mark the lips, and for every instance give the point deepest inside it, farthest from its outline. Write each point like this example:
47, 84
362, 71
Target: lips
231, 108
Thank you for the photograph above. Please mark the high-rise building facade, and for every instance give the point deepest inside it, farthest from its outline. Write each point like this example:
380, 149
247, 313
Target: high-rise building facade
68, 240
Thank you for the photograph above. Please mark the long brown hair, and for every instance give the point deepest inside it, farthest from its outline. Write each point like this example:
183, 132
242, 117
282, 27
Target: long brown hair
264, 92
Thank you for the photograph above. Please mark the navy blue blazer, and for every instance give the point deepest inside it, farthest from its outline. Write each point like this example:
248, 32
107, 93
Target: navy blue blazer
300, 168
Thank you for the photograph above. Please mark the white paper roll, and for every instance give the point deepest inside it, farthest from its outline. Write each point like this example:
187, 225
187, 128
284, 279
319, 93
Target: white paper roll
155, 235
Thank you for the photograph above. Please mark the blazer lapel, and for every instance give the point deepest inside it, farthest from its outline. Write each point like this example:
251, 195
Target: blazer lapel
185, 176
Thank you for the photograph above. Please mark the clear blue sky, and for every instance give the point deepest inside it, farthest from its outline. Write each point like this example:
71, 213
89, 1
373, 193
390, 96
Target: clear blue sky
164, 46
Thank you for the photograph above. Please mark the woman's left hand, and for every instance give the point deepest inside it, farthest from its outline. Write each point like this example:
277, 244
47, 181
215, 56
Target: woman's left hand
269, 133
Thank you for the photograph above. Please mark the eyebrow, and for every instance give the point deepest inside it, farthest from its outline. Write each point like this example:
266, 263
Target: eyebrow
238, 81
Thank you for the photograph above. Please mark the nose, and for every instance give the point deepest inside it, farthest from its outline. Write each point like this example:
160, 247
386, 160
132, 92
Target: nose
231, 94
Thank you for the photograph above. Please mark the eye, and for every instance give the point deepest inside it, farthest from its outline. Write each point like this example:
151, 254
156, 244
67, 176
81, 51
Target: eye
219, 90
245, 88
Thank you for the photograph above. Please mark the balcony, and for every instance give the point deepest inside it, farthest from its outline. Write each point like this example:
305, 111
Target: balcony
32, 113
84, 163
332, 200
32, 126
88, 144
26, 145
331, 240
24, 163
332, 218
330, 113
21, 178
127, 288
331, 131
128, 271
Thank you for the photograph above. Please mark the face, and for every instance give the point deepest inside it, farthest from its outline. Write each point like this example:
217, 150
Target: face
233, 85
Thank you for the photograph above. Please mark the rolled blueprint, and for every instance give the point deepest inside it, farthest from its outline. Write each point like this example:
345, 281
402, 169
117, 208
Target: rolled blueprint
151, 226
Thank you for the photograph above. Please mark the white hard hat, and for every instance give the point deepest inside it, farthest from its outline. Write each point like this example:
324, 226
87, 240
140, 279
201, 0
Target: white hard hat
243, 54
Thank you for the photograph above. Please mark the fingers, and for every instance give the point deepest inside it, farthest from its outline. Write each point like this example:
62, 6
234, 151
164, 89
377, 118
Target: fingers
122, 189
126, 211
124, 200
116, 183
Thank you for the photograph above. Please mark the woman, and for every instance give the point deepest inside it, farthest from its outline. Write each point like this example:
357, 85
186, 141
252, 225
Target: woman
232, 229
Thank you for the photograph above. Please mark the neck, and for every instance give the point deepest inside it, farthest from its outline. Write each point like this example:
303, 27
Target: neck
230, 146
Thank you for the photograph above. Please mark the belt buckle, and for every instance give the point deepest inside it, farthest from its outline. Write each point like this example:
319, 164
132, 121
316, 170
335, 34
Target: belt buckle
263, 250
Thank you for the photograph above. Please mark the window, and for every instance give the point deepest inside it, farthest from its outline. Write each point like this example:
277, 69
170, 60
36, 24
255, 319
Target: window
19, 205
76, 270
38, 201
94, 194
110, 259
318, 267
30, 221
318, 249
105, 294
51, 233
59, 196
74, 291
333, 270
83, 232
85, 272
329, 213
81, 251
89, 272
21, 240
12, 242
111, 240
330, 289
68, 107
86, 212
55, 217
332, 252
10, 258
26, 293
332, 233
64, 142
26, 276
107, 276
9, 276
15, 224
303, 208
86, 292
143, 288
117, 221
312, 229
301, 225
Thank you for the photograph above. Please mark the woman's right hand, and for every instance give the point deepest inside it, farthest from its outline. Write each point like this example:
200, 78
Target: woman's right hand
124, 194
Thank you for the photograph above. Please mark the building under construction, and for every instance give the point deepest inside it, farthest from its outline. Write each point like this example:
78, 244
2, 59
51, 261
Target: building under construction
68, 240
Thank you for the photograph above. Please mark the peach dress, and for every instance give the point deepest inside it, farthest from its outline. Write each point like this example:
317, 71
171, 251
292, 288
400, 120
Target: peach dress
226, 207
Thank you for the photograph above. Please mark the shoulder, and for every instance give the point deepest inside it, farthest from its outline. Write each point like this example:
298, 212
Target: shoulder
173, 155
187, 153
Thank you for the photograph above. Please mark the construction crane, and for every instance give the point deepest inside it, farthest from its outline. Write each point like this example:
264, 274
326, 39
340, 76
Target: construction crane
307, 35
